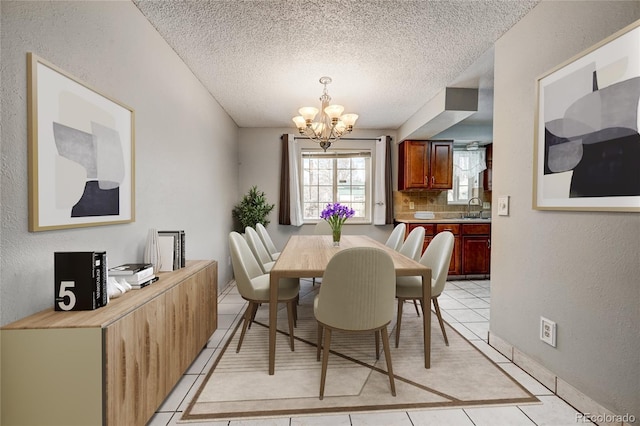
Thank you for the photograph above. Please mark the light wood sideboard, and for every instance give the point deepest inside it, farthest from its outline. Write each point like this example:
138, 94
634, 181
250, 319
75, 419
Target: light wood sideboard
110, 366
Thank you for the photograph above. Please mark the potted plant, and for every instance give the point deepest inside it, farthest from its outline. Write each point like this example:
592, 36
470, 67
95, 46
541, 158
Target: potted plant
251, 210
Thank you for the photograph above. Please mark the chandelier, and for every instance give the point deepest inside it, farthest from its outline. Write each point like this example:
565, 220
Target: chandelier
331, 123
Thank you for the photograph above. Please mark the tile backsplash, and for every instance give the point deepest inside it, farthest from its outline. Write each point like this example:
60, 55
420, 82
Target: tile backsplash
435, 201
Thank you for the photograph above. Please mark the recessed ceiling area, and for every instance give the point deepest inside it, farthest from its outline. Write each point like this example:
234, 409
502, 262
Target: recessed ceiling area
261, 60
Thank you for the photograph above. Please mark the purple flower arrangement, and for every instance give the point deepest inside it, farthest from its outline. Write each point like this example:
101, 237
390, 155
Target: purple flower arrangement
336, 214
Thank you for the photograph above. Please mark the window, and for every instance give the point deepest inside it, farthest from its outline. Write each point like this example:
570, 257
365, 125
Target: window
467, 166
336, 177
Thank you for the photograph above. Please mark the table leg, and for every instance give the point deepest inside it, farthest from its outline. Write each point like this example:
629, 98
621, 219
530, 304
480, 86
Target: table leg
273, 320
426, 317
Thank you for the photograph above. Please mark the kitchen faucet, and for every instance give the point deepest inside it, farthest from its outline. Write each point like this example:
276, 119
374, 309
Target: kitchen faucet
469, 206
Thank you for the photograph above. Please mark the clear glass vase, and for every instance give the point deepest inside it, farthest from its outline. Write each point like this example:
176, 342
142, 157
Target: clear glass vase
337, 232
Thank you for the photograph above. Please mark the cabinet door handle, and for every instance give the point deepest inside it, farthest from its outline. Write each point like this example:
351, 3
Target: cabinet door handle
433, 180
489, 243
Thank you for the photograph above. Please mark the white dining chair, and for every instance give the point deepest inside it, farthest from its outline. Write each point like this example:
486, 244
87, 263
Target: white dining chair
357, 295
396, 237
412, 246
258, 249
323, 228
253, 285
437, 257
267, 241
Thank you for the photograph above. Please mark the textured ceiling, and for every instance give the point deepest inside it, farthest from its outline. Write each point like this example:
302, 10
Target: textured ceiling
262, 60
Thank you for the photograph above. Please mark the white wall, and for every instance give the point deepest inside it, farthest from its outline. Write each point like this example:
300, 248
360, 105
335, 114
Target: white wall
580, 269
186, 145
260, 153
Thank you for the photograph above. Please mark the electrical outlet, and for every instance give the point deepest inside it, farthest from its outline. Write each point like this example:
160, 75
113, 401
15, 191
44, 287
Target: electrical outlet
548, 331
486, 205
412, 205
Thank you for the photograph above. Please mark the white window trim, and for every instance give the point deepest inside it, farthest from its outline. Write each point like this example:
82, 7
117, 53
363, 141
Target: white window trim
368, 145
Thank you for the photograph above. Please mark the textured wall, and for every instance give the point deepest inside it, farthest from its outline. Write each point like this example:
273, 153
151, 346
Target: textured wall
186, 145
579, 269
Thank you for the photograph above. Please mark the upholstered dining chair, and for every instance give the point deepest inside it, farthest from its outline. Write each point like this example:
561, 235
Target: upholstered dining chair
258, 249
396, 237
437, 257
412, 246
253, 285
267, 241
323, 228
357, 295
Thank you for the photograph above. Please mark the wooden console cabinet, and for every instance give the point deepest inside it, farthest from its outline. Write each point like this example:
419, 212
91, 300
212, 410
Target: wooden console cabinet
114, 365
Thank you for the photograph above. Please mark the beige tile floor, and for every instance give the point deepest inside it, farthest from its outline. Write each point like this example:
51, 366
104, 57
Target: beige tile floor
465, 306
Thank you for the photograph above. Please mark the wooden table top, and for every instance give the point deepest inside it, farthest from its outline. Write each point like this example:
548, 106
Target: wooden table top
307, 256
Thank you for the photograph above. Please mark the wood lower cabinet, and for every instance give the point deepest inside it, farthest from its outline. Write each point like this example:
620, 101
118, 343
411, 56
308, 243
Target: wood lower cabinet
114, 365
471, 248
455, 267
476, 249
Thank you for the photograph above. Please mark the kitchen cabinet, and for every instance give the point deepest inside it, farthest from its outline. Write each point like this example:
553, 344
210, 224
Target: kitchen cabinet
432, 229
425, 165
455, 267
114, 365
472, 245
476, 249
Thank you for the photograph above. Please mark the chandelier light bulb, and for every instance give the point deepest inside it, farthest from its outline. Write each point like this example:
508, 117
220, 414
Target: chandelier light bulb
308, 113
300, 122
331, 125
334, 111
349, 119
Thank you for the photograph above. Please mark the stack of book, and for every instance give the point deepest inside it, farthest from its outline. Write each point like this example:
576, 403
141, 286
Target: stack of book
137, 275
172, 250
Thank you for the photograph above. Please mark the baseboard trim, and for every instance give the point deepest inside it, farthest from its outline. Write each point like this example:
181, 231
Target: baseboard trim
591, 409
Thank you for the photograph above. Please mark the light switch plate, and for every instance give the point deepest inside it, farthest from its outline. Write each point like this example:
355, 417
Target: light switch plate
503, 206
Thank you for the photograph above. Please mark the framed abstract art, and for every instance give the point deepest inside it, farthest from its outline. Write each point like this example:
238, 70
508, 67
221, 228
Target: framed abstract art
587, 145
80, 152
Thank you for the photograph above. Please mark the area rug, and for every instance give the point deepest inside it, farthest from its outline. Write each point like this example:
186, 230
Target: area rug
238, 385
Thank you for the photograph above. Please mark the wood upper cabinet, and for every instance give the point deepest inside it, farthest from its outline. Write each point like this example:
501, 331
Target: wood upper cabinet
425, 165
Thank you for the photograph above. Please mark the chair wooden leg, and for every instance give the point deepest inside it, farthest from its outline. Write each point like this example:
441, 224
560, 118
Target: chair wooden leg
399, 321
319, 345
295, 311
290, 318
387, 356
253, 313
325, 360
247, 320
415, 303
439, 315
377, 344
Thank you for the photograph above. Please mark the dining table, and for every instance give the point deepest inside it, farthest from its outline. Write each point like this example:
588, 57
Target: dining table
307, 256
